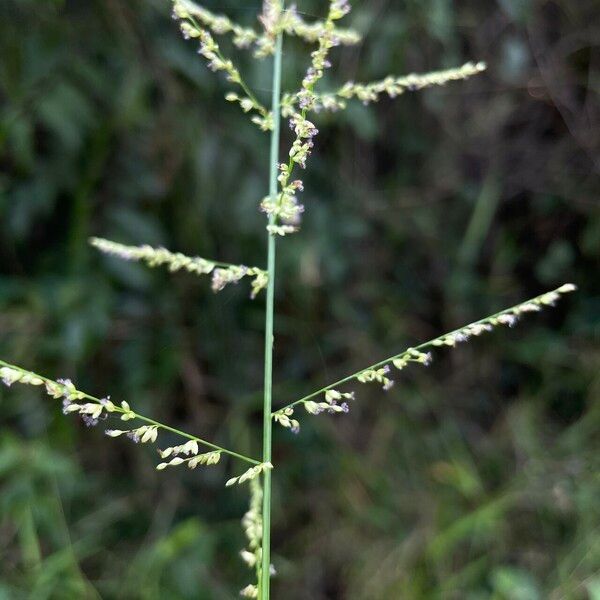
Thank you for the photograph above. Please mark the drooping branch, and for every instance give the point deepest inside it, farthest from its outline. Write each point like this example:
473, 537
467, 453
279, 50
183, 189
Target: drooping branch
330, 399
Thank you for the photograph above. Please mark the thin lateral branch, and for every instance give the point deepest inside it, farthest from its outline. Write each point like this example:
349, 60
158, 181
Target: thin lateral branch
378, 371
101, 408
195, 24
222, 273
392, 86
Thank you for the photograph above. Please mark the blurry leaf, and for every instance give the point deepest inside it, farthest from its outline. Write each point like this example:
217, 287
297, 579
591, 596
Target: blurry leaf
458, 475
519, 10
593, 588
516, 57
557, 263
67, 112
514, 584
481, 523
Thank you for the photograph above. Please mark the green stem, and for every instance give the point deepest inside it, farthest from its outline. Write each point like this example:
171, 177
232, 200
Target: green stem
269, 317
119, 410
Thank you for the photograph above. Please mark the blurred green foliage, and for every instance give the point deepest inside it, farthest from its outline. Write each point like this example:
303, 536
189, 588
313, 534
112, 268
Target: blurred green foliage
478, 478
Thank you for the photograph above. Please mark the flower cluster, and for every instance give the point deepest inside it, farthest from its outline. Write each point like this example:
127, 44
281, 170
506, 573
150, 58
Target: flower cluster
252, 524
305, 132
210, 50
376, 375
286, 207
273, 20
223, 276
194, 23
144, 434
412, 355
328, 40
91, 411
222, 273
192, 456
293, 24
10, 375
264, 119
184, 10
334, 402
250, 474
331, 403
250, 591
379, 373
270, 19
284, 418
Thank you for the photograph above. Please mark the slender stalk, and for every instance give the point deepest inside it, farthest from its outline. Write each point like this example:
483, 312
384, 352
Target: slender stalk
264, 587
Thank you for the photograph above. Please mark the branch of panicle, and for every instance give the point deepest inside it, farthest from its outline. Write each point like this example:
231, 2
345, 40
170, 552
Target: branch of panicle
191, 20
392, 86
93, 410
333, 401
222, 274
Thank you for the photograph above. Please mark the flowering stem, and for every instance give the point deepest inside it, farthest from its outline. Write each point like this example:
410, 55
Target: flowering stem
264, 586
429, 344
119, 410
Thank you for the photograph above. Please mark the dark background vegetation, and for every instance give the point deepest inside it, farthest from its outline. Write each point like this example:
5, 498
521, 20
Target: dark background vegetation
477, 478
